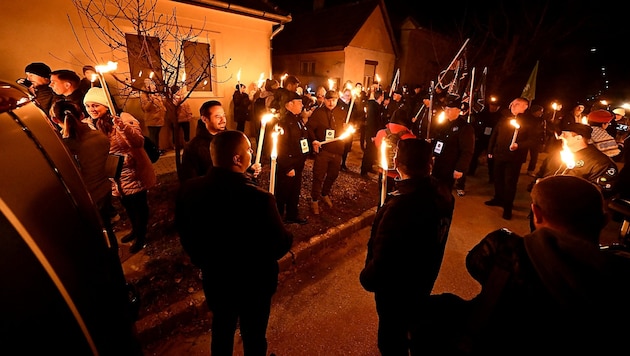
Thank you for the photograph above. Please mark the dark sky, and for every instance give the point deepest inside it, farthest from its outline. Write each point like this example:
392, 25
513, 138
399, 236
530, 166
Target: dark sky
568, 69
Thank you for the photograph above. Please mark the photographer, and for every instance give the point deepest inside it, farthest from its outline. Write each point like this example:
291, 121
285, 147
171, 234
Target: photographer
37, 82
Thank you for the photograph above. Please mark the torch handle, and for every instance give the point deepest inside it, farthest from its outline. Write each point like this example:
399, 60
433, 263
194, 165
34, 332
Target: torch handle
110, 103
259, 144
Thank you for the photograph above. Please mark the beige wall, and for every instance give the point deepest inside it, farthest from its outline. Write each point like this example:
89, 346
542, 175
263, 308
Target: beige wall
40, 31
372, 43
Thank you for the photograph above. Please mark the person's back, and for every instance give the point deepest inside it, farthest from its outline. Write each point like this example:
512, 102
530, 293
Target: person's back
548, 290
240, 267
405, 249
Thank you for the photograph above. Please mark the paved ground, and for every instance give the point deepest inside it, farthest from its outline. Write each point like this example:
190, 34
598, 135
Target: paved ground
472, 221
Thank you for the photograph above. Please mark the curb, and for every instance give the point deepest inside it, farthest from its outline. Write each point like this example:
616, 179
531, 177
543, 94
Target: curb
161, 324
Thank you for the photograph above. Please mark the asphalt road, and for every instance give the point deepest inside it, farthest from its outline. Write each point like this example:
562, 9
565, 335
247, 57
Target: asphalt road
321, 309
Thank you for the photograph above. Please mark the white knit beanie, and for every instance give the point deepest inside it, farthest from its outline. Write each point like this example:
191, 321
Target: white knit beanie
96, 95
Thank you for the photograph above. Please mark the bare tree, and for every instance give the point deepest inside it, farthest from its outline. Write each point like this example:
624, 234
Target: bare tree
156, 48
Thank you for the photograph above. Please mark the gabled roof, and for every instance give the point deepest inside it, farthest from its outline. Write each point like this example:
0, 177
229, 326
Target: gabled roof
328, 29
262, 9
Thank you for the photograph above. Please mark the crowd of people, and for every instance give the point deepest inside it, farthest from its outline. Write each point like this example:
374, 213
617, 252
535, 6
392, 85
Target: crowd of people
551, 275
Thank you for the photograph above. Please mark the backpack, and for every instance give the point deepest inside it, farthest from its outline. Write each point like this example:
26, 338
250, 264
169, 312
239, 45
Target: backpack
391, 142
152, 150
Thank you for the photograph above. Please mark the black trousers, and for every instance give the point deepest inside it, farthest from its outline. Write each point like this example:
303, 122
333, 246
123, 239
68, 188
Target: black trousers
287, 191
506, 174
249, 310
137, 207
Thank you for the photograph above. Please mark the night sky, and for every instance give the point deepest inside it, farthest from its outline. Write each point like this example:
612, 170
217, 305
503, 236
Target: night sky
580, 48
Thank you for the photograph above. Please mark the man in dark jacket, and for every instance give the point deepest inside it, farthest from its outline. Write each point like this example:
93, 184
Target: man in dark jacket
242, 106
453, 146
374, 115
555, 278
588, 162
401, 266
240, 267
509, 144
196, 160
326, 124
293, 149
38, 84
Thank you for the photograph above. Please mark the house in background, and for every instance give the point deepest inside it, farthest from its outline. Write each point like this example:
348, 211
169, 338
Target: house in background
350, 42
237, 33
423, 53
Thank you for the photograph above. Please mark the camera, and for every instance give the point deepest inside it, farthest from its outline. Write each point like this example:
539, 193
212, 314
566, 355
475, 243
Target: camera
24, 82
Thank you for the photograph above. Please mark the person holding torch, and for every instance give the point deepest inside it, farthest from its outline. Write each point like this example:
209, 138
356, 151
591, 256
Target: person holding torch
508, 146
293, 148
137, 176
401, 268
325, 128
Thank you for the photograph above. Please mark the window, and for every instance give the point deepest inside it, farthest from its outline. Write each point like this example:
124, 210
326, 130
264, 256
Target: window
193, 58
307, 68
369, 73
145, 61
198, 60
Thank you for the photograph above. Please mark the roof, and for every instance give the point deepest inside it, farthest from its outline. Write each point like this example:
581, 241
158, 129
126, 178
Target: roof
262, 9
327, 29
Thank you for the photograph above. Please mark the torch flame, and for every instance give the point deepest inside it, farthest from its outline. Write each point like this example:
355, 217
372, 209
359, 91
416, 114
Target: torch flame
515, 124
266, 118
238, 76
567, 156
384, 163
441, 117
378, 79
277, 130
349, 131
331, 84
104, 68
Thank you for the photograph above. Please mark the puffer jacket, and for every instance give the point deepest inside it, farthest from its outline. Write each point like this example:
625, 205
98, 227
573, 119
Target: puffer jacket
137, 172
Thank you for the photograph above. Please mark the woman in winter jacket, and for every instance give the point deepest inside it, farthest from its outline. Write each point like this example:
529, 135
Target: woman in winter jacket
137, 177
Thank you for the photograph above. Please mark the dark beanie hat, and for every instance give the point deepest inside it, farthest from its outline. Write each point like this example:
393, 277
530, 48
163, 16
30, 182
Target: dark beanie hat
580, 129
38, 68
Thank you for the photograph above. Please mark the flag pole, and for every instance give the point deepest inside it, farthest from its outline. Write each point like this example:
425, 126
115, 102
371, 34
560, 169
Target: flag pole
396, 78
430, 113
470, 97
455, 58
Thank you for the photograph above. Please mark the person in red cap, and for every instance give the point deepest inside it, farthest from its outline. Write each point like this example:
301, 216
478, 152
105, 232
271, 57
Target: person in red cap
599, 120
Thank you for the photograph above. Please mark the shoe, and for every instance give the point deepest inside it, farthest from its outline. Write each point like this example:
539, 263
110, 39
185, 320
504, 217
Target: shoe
296, 221
327, 200
315, 207
137, 246
128, 238
493, 202
507, 214
460, 192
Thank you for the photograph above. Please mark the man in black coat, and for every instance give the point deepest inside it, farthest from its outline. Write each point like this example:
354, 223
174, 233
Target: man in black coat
406, 247
454, 145
240, 265
508, 147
